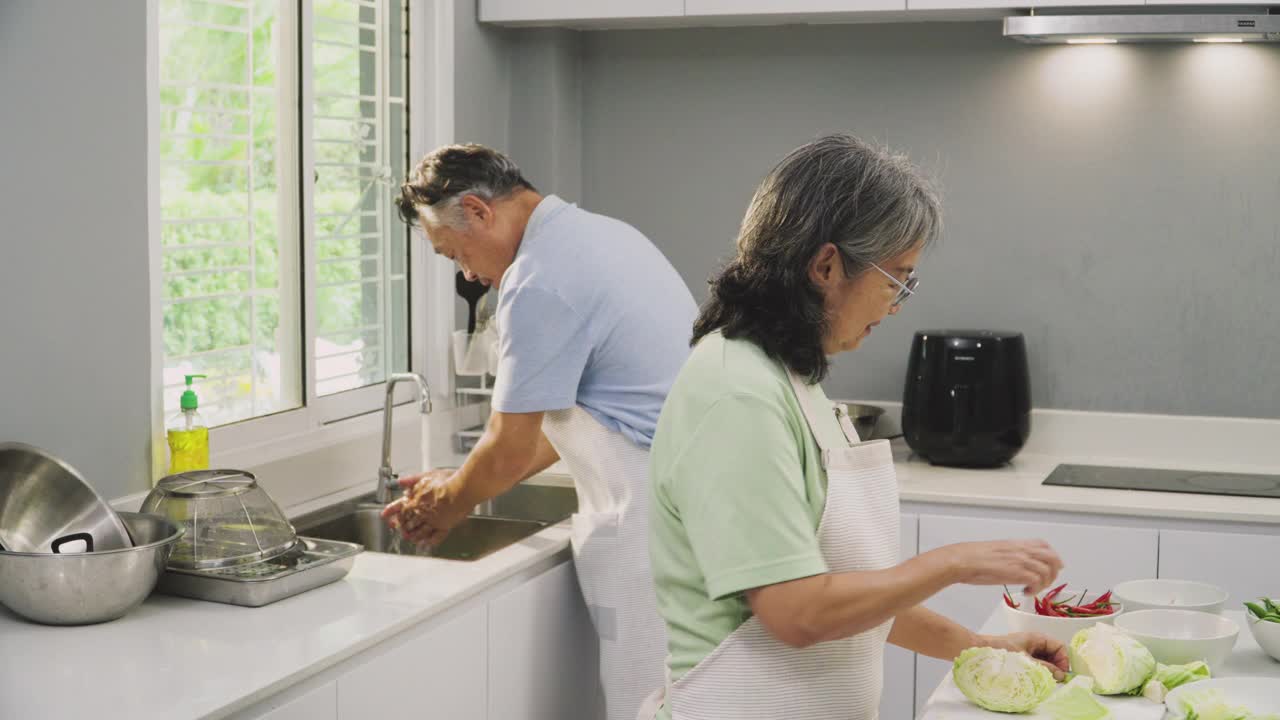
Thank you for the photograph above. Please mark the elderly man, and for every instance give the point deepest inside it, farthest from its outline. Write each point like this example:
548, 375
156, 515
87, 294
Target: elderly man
593, 326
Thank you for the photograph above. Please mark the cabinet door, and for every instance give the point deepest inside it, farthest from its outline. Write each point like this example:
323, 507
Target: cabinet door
534, 11
898, 700
1095, 557
1243, 565
787, 7
1207, 2
437, 674
543, 659
1001, 4
318, 704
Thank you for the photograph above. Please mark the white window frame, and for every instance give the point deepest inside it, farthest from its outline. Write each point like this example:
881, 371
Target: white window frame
325, 421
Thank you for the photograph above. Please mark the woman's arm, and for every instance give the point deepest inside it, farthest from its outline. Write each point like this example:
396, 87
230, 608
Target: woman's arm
924, 631
825, 607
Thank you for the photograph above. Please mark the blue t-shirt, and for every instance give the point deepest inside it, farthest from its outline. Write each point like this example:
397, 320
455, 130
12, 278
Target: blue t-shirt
590, 314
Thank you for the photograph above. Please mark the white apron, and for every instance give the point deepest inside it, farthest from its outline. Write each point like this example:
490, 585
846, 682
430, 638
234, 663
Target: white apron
611, 554
753, 676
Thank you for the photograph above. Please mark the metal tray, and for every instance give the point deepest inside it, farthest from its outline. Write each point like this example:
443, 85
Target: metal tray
311, 563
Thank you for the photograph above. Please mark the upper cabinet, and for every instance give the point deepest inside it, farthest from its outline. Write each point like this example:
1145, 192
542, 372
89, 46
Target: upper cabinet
1008, 4
619, 13
765, 8
556, 12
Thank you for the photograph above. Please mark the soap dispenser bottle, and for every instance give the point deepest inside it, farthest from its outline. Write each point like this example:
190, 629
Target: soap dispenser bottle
188, 435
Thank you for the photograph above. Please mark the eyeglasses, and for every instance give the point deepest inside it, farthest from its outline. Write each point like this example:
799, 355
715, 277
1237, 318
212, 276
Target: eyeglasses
906, 290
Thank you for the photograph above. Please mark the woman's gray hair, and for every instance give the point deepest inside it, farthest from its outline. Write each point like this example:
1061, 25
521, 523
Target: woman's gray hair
871, 204
447, 174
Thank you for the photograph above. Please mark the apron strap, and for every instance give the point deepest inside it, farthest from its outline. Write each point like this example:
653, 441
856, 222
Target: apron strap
812, 413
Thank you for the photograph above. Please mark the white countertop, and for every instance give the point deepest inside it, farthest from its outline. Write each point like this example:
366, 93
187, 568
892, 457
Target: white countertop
197, 659
948, 703
210, 659
1018, 486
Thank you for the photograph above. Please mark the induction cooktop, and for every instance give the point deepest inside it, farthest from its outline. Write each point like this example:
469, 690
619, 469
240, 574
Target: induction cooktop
1157, 480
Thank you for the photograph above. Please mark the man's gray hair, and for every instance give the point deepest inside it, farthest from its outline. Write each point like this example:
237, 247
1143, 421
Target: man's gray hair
439, 182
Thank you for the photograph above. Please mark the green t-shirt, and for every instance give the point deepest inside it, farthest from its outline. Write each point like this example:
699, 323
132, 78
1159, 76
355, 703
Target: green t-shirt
738, 491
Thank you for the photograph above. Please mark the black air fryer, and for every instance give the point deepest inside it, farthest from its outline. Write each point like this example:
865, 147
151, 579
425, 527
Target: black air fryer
968, 398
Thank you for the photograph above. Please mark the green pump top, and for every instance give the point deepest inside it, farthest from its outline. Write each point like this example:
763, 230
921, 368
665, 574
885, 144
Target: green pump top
189, 400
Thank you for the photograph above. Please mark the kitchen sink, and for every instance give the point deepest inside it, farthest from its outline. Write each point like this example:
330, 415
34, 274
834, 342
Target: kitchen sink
495, 524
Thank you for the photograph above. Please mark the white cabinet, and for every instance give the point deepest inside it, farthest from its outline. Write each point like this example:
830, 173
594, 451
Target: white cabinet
898, 700
435, 674
1243, 565
320, 703
1094, 557
713, 8
543, 658
1207, 2
1003, 4
558, 11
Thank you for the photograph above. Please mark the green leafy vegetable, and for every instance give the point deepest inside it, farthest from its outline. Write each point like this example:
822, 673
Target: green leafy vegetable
1117, 663
1212, 704
1001, 680
1074, 701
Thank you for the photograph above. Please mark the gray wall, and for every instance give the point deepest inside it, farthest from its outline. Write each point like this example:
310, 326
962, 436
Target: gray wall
1120, 205
546, 101
520, 92
481, 80
76, 374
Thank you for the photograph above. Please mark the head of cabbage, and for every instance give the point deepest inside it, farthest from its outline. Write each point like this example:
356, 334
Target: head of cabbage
1002, 680
1117, 663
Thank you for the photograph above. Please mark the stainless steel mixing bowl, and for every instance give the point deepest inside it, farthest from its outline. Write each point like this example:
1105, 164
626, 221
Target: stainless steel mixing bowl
90, 587
46, 506
865, 418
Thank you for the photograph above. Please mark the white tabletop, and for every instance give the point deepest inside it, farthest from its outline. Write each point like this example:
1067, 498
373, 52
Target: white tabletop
948, 703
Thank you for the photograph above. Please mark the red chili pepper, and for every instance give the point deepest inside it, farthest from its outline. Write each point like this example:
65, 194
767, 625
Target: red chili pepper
1008, 600
1089, 612
1103, 599
1049, 596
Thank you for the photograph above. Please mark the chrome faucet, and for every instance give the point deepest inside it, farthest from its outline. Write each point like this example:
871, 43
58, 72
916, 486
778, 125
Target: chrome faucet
386, 476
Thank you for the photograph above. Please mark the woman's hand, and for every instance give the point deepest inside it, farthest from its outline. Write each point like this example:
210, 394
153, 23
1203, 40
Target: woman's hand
1031, 564
1049, 652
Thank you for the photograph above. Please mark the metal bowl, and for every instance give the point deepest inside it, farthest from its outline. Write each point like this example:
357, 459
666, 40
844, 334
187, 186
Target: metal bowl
90, 587
46, 506
864, 418
229, 519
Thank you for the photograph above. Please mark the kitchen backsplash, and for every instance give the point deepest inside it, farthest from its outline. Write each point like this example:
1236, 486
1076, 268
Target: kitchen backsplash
1120, 205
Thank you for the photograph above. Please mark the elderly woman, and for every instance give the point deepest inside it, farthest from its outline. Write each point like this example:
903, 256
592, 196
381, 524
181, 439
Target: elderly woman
774, 530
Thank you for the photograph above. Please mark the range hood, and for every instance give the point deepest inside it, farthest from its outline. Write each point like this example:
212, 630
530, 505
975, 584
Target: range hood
1106, 29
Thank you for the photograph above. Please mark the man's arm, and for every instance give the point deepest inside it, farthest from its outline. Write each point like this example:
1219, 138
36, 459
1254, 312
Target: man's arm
511, 449
543, 458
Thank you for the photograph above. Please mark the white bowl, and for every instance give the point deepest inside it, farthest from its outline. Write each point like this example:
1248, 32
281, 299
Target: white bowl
1166, 594
1025, 619
1175, 637
1266, 634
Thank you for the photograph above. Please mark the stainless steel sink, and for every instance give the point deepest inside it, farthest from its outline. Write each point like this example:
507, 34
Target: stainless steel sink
497, 523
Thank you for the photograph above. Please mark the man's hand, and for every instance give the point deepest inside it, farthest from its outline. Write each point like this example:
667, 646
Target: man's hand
432, 505
1051, 653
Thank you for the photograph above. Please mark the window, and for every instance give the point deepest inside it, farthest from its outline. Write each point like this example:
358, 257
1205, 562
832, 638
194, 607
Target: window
283, 133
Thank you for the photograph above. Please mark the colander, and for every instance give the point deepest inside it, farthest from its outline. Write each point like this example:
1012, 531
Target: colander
229, 519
